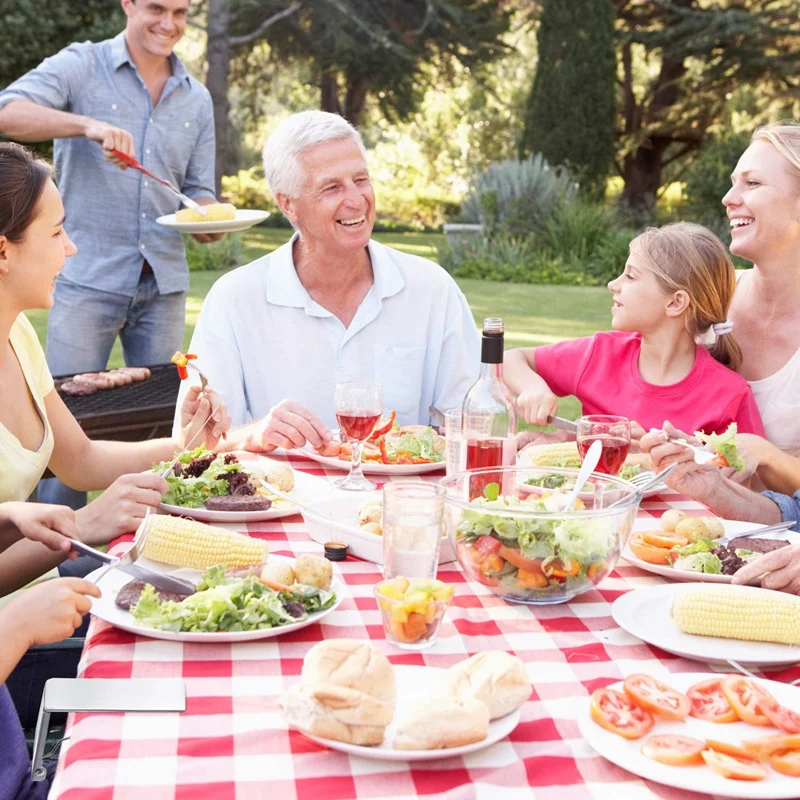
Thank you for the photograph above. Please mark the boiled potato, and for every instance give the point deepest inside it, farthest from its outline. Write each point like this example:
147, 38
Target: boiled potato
370, 514
281, 477
372, 527
693, 528
278, 572
217, 212
716, 530
670, 519
313, 571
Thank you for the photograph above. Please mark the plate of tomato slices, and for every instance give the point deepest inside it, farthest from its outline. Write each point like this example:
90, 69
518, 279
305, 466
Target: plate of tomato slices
704, 732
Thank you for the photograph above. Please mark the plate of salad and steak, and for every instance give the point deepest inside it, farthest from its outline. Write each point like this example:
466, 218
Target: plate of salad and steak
222, 487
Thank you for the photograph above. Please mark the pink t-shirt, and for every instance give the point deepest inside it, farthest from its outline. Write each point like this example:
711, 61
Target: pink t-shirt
602, 371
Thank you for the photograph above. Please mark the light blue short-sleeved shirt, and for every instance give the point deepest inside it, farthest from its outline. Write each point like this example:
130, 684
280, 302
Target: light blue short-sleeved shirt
262, 338
111, 214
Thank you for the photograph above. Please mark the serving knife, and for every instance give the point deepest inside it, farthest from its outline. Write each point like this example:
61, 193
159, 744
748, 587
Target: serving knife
563, 424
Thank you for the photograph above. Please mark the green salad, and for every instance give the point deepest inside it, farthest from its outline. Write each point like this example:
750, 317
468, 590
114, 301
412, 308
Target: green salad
530, 557
199, 475
224, 603
725, 445
567, 483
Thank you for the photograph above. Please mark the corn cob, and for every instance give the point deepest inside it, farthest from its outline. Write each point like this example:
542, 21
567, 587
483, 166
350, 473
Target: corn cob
187, 543
757, 615
561, 454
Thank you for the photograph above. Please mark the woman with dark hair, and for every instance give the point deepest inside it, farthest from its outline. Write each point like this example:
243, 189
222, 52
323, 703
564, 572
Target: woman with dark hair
36, 428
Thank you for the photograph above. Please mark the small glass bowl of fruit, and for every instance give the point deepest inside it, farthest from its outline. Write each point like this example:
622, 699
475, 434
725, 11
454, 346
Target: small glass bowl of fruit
412, 610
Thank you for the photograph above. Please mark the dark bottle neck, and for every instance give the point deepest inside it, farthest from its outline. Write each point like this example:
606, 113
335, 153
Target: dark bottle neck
492, 349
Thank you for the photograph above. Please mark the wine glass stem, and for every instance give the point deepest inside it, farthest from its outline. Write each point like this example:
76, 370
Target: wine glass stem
355, 461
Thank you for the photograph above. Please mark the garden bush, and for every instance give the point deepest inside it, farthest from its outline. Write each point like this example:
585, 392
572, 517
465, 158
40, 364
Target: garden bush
517, 197
225, 254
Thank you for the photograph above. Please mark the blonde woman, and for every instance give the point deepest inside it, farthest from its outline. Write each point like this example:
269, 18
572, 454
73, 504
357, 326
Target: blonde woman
677, 285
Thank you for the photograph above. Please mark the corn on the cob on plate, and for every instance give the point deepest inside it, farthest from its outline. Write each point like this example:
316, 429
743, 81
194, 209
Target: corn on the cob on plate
561, 454
183, 542
752, 614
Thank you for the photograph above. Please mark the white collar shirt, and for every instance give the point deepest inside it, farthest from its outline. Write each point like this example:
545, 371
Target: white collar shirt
260, 338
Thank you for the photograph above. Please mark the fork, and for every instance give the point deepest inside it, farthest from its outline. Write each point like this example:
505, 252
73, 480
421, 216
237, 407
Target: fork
203, 384
701, 456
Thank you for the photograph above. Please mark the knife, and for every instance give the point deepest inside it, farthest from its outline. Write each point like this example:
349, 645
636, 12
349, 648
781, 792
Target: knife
563, 424
187, 201
780, 526
157, 579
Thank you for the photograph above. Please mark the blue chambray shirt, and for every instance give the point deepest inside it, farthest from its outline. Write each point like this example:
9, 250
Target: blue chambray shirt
111, 213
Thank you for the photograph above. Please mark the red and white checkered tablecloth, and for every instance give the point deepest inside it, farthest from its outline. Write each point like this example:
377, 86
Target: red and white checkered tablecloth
231, 743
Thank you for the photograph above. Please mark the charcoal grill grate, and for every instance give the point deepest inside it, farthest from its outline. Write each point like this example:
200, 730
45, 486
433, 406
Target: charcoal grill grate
160, 390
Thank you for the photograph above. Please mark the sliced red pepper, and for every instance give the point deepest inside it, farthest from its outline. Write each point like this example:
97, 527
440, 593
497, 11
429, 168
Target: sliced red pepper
384, 454
487, 545
519, 561
190, 356
403, 458
183, 373
382, 430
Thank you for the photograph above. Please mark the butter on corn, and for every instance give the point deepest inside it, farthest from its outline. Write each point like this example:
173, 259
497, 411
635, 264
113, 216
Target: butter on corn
561, 454
187, 543
755, 615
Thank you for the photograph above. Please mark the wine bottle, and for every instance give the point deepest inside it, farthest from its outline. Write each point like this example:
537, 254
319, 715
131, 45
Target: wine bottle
489, 414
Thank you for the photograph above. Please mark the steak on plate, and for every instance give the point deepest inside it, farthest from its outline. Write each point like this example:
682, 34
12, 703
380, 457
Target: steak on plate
130, 593
238, 502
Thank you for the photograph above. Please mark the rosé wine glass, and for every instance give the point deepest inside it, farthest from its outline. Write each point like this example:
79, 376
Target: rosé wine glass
358, 406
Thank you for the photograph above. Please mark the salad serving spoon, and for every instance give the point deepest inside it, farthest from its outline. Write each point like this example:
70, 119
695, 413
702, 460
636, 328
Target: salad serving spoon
590, 462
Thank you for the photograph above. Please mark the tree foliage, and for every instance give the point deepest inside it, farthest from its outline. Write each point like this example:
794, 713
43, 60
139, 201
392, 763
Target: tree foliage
570, 111
31, 30
680, 61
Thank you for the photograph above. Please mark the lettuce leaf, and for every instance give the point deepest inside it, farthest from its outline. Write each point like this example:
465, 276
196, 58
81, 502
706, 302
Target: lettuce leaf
700, 562
417, 445
725, 445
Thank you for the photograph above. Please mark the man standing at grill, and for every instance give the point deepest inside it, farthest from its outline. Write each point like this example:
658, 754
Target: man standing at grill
129, 276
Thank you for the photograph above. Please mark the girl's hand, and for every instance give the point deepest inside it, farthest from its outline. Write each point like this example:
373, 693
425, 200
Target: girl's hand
40, 522
196, 410
51, 611
121, 507
537, 405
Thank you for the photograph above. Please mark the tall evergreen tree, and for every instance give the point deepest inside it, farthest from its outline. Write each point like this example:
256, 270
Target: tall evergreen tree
570, 111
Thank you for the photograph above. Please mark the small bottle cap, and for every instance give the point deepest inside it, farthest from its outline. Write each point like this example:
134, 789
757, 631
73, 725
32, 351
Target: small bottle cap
335, 551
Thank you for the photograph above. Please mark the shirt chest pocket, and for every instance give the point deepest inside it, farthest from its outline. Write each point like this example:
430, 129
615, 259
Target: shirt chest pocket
782, 425
400, 371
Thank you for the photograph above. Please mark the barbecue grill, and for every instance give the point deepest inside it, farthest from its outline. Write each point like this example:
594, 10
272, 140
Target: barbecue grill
133, 412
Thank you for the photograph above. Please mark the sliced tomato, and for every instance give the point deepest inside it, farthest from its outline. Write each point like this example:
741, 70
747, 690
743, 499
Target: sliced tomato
646, 552
530, 580
728, 749
617, 713
657, 697
596, 570
676, 751
780, 717
709, 703
519, 561
744, 695
738, 769
664, 539
486, 545
766, 746
787, 762
719, 461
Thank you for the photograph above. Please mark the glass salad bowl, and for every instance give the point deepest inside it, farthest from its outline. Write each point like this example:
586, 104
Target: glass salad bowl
513, 535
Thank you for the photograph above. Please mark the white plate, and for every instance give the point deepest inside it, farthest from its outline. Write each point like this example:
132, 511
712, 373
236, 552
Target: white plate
307, 489
646, 613
627, 754
245, 218
731, 526
112, 581
337, 520
371, 467
410, 680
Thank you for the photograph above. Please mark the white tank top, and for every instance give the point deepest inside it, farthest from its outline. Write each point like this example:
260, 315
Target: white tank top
778, 400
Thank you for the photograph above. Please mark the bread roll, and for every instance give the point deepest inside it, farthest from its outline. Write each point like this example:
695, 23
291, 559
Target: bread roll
336, 712
441, 722
353, 664
496, 678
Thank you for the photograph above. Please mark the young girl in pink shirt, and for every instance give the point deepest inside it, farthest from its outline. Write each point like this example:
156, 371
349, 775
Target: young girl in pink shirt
676, 287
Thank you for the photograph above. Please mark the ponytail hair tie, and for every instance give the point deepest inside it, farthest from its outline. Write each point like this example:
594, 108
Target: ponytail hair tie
721, 328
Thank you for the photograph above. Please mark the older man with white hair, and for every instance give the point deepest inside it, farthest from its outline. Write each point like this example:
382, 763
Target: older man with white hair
275, 336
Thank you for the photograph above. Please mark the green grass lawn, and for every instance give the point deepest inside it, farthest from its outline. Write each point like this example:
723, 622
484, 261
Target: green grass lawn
533, 315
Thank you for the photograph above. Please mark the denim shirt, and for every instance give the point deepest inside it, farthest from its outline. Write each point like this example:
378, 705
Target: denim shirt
111, 213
